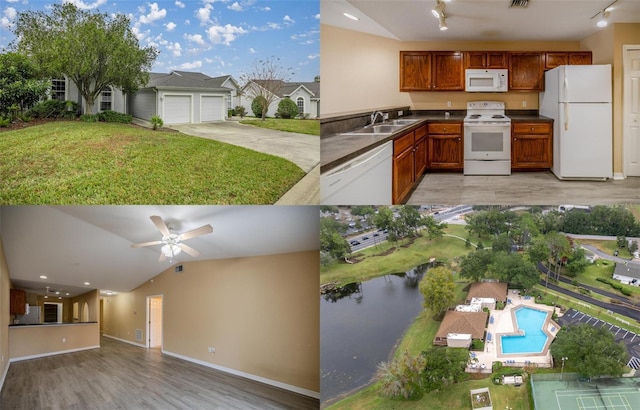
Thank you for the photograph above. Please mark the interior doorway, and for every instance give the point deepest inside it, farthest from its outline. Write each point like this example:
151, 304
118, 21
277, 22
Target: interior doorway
52, 312
631, 109
154, 321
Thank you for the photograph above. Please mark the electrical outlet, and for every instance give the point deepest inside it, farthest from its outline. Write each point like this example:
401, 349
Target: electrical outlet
385, 116
212, 349
400, 113
524, 104
448, 104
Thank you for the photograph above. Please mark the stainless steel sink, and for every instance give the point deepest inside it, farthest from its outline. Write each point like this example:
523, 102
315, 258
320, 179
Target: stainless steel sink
403, 121
376, 129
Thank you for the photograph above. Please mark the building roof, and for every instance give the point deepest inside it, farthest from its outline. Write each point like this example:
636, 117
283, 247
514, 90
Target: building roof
187, 79
629, 269
285, 89
495, 290
463, 322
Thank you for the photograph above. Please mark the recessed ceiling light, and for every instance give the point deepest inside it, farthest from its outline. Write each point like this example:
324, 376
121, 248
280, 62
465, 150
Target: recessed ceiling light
350, 16
43, 277
87, 284
67, 294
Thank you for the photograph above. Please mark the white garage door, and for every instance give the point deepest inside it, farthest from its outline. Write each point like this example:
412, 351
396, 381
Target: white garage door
212, 108
177, 109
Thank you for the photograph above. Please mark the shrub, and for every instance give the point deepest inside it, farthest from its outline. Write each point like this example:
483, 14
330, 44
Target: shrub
257, 104
71, 109
113, 116
402, 376
25, 117
230, 113
241, 111
89, 118
157, 122
287, 108
4, 122
477, 344
48, 109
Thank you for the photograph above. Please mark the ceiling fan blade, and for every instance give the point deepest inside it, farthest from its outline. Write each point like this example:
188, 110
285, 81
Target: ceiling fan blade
140, 245
188, 249
203, 230
162, 258
162, 227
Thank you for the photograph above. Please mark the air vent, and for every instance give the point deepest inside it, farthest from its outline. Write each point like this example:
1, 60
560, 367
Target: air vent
179, 268
139, 335
519, 3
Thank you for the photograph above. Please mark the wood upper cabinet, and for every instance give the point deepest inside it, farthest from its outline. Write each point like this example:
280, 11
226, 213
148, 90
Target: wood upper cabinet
415, 71
18, 302
531, 145
526, 71
409, 162
448, 71
485, 59
445, 149
555, 58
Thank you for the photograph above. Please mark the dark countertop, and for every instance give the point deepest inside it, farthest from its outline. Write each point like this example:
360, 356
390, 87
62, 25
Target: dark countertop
338, 149
50, 324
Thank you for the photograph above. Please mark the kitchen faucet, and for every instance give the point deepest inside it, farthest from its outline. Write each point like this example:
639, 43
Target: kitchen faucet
374, 115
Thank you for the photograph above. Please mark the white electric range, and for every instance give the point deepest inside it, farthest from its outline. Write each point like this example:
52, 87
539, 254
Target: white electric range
487, 139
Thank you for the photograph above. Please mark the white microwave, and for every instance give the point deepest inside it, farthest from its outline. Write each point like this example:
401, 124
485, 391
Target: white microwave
486, 81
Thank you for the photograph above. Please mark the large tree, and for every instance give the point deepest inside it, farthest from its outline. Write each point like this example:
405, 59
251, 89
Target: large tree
592, 351
444, 366
438, 289
513, 268
475, 264
94, 50
21, 83
331, 240
263, 81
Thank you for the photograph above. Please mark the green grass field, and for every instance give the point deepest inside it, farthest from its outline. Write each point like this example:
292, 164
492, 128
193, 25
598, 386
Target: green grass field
311, 127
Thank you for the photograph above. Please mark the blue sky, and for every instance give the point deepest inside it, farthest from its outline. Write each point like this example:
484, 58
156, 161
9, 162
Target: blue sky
216, 37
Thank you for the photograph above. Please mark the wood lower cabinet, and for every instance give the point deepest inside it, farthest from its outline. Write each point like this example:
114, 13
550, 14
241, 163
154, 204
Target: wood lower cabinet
531, 145
445, 146
526, 71
18, 302
409, 162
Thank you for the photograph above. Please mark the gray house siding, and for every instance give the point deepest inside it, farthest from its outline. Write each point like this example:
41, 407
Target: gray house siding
143, 104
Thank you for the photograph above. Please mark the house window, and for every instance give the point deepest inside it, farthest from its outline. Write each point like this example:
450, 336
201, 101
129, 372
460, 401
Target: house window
105, 99
229, 102
58, 86
300, 102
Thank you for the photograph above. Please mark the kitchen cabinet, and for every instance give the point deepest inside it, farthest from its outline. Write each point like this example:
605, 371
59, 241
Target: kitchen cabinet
448, 71
526, 71
445, 149
555, 58
415, 71
531, 145
18, 302
485, 59
409, 162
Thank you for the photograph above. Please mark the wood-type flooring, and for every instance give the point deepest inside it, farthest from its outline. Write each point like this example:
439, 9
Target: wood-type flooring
122, 376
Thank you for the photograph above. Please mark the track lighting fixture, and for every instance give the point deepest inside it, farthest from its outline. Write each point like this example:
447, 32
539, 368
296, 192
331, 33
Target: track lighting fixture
603, 18
443, 24
438, 10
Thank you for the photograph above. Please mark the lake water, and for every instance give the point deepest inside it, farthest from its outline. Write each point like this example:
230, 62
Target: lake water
360, 327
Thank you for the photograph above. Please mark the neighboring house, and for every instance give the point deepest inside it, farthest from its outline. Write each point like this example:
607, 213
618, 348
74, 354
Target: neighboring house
627, 273
184, 97
458, 329
488, 290
177, 97
306, 95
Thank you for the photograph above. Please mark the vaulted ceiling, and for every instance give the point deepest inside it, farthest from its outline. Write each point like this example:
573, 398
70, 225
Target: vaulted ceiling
478, 20
71, 245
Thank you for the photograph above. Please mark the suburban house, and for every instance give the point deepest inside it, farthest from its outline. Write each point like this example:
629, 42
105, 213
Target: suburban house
305, 94
178, 97
244, 309
487, 293
628, 273
458, 329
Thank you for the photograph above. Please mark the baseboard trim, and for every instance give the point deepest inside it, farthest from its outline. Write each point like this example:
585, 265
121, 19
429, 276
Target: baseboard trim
125, 341
285, 386
4, 375
618, 176
37, 356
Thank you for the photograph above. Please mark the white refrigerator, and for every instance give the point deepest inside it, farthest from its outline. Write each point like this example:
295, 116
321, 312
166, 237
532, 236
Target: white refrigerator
578, 98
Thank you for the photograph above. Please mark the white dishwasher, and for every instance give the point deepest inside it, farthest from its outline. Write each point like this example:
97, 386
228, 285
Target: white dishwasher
364, 180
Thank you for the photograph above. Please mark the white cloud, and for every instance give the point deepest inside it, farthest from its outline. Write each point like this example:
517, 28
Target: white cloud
10, 13
288, 20
317, 16
251, 50
224, 34
170, 26
195, 38
179, 4
12, 1
175, 48
313, 56
203, 14
235, 7
5, 23
187, 22
84, 6
273, 26
189, 66
155, 13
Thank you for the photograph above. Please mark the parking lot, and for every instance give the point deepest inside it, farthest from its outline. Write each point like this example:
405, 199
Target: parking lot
630, 339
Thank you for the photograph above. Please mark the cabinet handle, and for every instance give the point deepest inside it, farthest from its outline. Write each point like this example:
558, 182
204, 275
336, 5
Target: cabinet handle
444, 129
459, 139
532, 128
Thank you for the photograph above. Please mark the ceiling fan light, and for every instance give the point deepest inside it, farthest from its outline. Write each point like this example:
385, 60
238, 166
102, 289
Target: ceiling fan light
170, 250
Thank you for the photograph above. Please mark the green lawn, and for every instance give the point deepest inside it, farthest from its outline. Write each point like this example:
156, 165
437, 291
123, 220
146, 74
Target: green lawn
311, 127
606, 246
97, 163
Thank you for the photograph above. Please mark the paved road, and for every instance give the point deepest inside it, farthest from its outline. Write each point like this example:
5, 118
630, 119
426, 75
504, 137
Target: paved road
604, 255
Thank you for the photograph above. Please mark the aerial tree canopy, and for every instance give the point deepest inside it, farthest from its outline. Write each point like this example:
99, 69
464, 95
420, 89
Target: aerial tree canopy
94, 50
438, 289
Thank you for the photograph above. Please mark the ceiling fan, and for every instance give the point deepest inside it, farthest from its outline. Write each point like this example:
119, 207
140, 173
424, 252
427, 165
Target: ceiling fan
172, 243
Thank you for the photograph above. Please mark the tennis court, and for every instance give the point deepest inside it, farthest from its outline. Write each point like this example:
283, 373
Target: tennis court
572, 393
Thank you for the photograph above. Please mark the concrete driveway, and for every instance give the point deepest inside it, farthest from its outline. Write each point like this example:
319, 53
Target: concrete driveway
301, 149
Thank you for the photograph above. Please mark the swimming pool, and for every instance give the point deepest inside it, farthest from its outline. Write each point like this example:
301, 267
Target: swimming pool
534, 339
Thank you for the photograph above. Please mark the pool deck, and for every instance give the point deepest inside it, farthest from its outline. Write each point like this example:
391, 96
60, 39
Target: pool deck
504, 323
